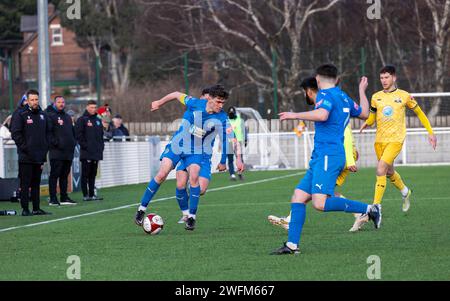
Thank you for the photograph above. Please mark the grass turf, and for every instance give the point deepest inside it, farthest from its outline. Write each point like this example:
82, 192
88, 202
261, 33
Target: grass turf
233, 238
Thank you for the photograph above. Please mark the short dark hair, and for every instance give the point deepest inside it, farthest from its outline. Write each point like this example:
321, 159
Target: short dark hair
327, 70
32, 92
309, 83
56, 97
205, 91
218, 91
388, 69
91, 102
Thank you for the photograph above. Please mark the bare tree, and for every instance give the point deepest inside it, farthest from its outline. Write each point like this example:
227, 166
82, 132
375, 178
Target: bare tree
266, 28
441, 28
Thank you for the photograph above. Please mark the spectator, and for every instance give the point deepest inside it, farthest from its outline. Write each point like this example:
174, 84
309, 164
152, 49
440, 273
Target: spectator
89, 133
238, 127
119, 130
5, 132
104, 113
30, 130
62, 147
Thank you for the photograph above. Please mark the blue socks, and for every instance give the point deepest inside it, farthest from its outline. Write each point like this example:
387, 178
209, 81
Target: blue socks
182, 199
151, 190
193, 200
298, 214
341, 204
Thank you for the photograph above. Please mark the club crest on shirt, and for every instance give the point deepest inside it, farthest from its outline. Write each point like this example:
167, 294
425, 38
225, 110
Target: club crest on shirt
60, 121
89, 123
29, 120
98, 122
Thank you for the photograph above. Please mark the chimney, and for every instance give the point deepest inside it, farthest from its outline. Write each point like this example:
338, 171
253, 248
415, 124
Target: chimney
51, 9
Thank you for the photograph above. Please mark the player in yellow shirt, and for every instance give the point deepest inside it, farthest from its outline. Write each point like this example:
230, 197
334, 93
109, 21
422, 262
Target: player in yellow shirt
310, 88
388, 111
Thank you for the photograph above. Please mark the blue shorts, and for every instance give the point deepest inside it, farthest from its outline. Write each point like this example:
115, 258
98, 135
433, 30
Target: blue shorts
205, 168
322, 174
186, 159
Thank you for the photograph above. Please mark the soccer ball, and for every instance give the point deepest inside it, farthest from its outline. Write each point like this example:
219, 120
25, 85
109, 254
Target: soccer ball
153, 224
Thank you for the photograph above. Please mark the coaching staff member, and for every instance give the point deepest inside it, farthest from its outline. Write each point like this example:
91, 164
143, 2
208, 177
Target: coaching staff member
89, 133
30, 129
62, 147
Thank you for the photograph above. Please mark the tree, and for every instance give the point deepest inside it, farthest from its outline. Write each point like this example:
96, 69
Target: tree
440, 10
108, 25
264, 29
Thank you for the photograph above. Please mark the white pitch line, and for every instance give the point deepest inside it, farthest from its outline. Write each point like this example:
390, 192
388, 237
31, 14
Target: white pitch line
154, 201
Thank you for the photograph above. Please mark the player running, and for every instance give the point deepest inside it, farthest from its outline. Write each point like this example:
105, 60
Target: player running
182, 176
202, 121
331, 116
310, 89
388, 110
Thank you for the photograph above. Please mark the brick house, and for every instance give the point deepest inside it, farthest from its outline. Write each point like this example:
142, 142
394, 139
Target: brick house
70, 65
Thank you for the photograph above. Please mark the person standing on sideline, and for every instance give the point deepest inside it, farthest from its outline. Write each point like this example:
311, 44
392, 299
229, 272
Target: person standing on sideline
89, 134
62, 147
30, 130
237, 124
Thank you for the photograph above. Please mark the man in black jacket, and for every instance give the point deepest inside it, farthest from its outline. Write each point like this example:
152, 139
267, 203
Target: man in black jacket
89, 133
62, 147
29, 130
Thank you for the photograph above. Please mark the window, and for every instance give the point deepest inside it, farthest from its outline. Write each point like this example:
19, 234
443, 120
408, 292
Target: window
57, 35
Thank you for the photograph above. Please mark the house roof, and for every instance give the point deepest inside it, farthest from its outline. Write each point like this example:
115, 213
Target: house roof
26, 22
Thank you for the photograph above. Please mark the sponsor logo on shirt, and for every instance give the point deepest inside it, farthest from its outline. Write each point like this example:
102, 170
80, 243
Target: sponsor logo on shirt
388, 111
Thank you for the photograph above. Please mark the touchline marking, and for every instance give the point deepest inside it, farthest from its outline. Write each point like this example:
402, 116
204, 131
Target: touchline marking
154, 201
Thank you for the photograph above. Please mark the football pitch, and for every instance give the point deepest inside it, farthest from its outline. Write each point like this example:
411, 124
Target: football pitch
233, 237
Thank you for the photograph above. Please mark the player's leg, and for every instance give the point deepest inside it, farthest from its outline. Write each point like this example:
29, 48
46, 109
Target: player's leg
285, 220
181, 192
304, 185
391, 152
230, 158
301, 196
298, 215
397, 181
204, 175
323, 199
166, 166
193, 167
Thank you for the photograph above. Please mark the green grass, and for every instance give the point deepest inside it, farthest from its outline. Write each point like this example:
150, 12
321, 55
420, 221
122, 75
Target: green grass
233, 237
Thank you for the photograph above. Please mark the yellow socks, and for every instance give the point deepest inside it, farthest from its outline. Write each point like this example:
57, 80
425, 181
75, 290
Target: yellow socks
380, 187
397, 181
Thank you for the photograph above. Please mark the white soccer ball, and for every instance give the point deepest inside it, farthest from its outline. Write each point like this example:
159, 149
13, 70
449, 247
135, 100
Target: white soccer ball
153, 224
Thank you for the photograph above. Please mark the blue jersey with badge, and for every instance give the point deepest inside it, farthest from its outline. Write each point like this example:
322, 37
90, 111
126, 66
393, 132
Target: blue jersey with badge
329, 134
199, 128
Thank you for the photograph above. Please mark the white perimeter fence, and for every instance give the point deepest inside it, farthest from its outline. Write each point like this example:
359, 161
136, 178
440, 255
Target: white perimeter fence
136, 161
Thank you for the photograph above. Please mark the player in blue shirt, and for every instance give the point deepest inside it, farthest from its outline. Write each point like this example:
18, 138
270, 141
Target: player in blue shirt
202, 121
182, 176
331, 116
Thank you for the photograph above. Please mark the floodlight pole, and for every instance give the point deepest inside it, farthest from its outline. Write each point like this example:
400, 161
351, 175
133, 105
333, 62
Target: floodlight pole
43, 53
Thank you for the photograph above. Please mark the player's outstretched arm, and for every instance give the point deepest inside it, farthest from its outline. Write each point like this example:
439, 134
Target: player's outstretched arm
156, 105
363, 101
426, 124
315, 115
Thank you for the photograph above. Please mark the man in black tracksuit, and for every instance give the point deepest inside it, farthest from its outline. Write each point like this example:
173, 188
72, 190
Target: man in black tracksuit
89, 133
30, 129
62, 147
